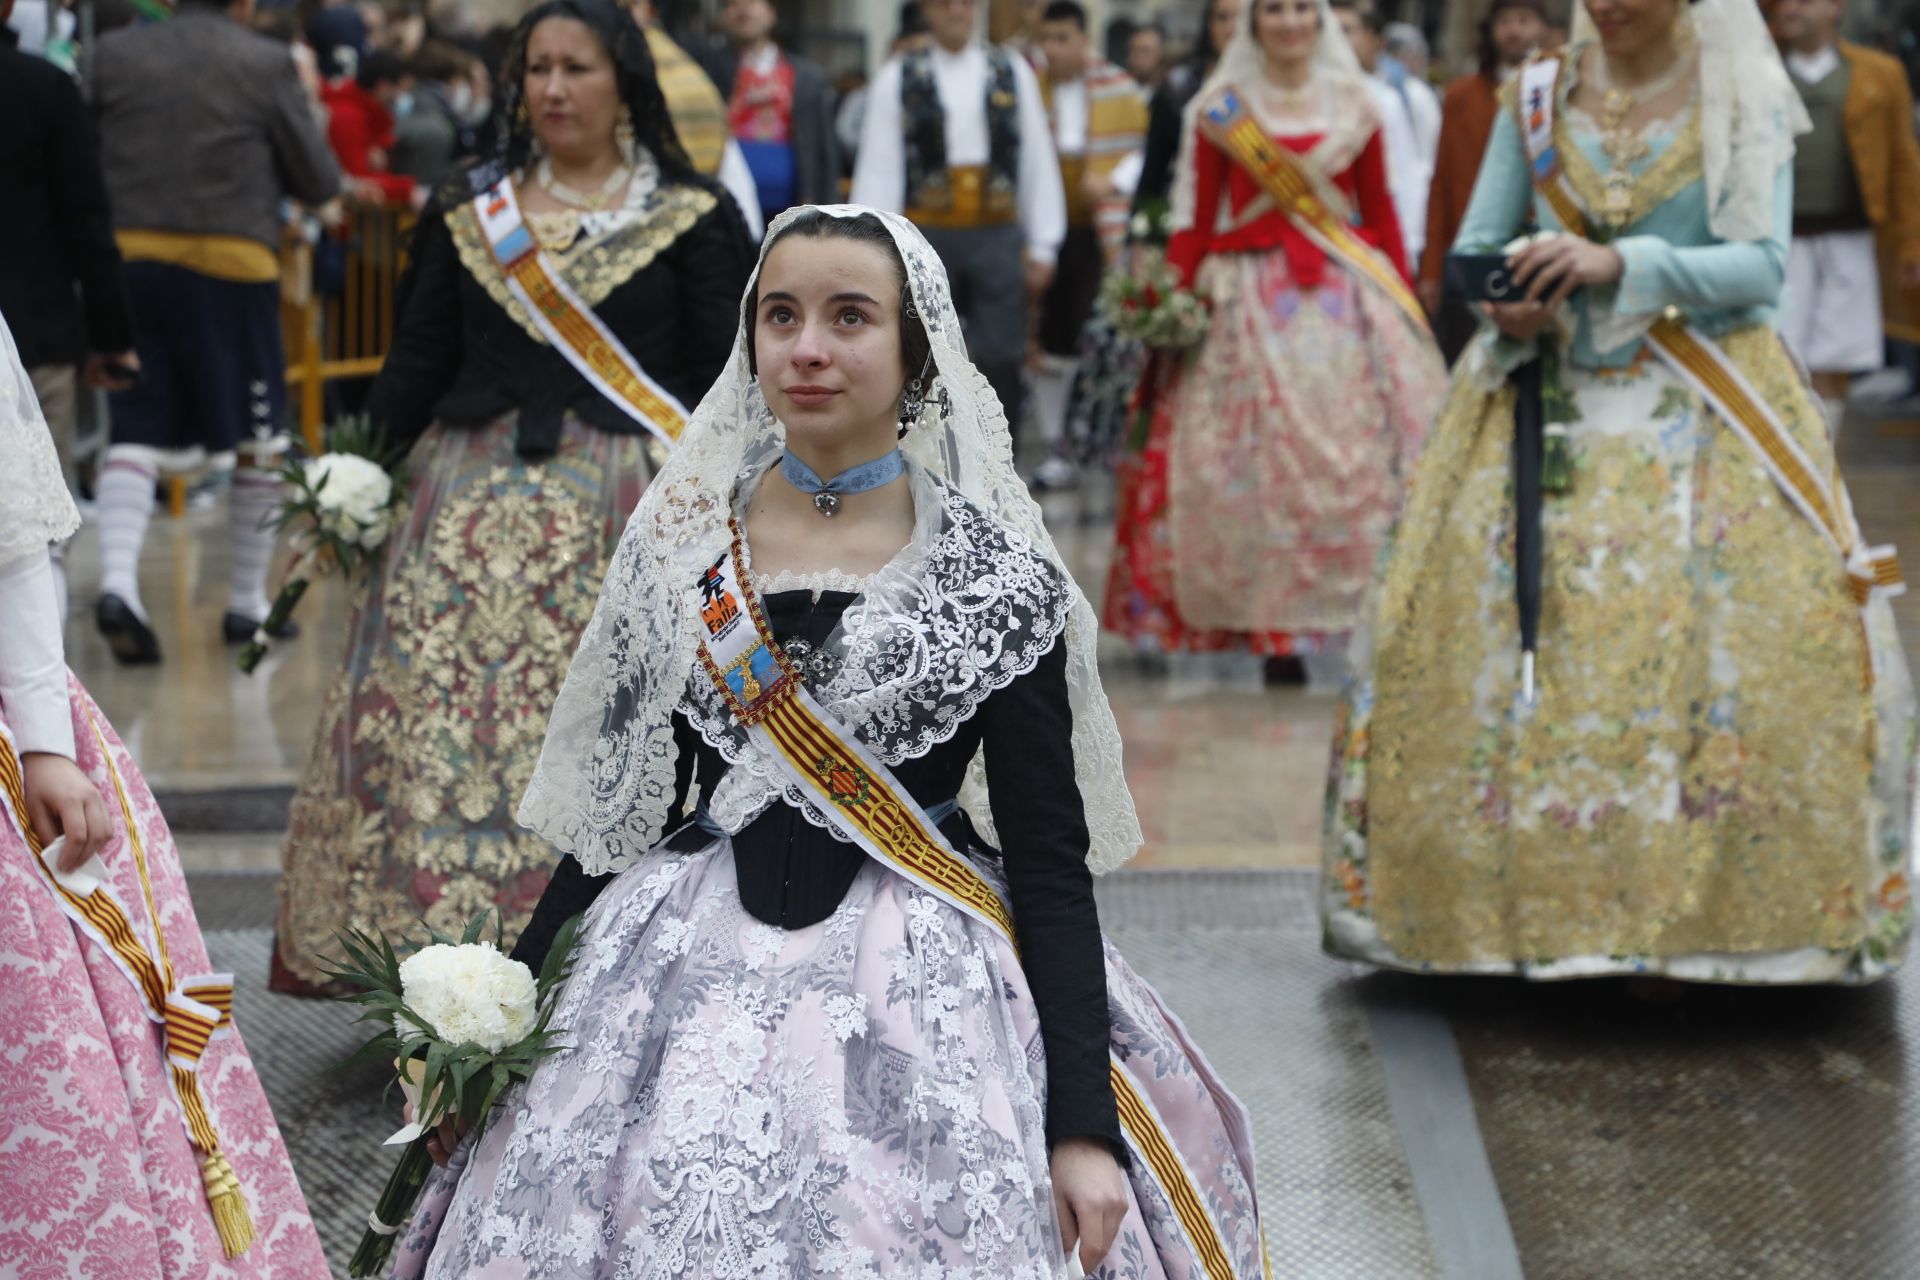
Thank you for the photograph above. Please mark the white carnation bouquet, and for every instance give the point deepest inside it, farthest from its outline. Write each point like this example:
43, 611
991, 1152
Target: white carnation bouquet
461, 1022
342, 504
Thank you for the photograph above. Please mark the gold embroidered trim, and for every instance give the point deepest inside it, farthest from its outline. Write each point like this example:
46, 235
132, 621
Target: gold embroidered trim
1680, 166
594, 268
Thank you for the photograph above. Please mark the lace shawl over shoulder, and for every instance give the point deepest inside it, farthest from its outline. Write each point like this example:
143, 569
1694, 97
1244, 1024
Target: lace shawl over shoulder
975, 599
35, 507
968, 607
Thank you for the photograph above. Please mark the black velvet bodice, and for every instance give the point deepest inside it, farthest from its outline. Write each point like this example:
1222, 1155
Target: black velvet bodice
794, 874
459, 356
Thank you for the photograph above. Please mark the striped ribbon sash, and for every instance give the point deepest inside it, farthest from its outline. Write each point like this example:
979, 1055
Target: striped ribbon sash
192, 1012
869, 807
1706, 368
1281, 175
570, 324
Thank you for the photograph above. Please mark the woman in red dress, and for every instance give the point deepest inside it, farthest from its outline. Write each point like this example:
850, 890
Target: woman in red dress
1277, 451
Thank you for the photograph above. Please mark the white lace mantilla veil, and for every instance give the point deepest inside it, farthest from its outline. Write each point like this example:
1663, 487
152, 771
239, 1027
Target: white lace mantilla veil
605, 779
1750, 112
35, 507
1242, 66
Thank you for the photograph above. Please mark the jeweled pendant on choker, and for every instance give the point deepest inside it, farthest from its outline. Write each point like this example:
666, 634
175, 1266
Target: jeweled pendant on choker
827, 493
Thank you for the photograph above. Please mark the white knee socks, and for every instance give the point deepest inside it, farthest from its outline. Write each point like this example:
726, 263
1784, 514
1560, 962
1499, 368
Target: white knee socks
253, 503
124, 498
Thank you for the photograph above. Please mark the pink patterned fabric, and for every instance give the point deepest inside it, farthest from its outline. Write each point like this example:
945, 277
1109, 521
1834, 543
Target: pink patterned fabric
97, 1178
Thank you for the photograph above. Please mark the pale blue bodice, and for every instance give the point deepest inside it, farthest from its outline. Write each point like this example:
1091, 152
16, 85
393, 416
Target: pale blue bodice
1670, 254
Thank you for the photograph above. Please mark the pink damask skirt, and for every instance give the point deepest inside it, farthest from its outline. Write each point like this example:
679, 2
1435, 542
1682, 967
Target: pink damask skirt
97, 1177
862, 1099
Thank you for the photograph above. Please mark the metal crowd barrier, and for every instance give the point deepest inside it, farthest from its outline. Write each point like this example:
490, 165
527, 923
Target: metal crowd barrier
337, 304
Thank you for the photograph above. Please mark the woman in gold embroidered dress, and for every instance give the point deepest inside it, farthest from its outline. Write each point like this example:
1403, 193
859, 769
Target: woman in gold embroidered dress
1714, 777
521, 478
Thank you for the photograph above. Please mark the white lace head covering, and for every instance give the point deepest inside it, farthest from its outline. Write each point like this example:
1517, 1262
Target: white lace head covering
35, 507
1242, 67
605, 779
1243, 63
1750, 112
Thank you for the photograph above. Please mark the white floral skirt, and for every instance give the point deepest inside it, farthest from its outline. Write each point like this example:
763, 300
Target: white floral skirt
861, 1098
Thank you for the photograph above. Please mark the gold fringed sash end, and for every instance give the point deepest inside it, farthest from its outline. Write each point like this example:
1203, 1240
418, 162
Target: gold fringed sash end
230, 1216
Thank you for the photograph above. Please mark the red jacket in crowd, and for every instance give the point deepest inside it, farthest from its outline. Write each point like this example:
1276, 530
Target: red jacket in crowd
360, 130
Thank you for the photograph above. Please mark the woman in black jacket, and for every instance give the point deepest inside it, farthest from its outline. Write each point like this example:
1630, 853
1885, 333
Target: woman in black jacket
532, 437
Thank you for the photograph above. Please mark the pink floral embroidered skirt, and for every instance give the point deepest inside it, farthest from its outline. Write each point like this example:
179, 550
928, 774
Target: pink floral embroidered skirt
97, 1177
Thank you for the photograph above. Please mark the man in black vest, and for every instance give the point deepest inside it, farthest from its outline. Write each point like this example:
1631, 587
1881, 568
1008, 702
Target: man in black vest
957, 139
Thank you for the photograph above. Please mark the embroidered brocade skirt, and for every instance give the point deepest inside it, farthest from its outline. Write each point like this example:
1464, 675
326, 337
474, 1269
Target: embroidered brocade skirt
97, 1177
1273, 465
461, 635
859, 1099
1709, 787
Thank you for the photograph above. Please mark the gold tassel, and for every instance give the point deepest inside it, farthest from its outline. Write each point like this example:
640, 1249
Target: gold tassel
230, 1216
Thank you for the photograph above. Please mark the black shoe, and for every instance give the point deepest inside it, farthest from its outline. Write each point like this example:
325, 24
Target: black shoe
239, 628
130, 638
1284, 670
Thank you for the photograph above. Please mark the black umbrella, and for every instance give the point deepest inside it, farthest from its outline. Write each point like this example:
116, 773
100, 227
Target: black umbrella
1529, 430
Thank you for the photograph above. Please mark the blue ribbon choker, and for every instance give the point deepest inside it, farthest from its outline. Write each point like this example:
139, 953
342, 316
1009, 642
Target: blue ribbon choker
827, 493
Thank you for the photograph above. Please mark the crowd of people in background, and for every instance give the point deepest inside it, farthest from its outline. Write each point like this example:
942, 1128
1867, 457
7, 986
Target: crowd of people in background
1032, 165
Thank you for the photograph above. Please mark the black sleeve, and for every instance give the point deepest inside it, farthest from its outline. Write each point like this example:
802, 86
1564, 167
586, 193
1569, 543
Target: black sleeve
1163, 145
572, 890
1028, 737
714, 260
426, 350
84, 221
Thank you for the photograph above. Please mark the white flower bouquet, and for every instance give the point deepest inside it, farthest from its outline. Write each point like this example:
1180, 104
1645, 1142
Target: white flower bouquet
345, 503
461, 1022
1149, 305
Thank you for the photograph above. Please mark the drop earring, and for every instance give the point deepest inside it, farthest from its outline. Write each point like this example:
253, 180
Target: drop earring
623, 133
911, 404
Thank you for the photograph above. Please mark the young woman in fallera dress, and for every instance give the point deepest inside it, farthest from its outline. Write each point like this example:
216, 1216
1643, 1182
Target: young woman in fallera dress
1277, 452
1714, 779
827, 676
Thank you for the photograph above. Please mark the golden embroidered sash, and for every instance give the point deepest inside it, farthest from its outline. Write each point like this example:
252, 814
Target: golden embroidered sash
568, 323
192, 1012
1706, 369
868, 807
1279, 173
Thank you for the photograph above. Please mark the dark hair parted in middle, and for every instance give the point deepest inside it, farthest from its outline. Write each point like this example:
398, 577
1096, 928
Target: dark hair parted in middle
633, 69
863, 228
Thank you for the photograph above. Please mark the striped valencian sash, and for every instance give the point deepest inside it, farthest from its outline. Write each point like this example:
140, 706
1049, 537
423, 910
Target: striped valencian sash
1705, 367
868, 807
192, 1012
569, 323
1281, 175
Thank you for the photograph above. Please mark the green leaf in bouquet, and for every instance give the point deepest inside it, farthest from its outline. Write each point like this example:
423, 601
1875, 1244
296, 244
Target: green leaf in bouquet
477, 926
559, 962
378, 1049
